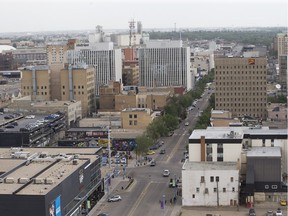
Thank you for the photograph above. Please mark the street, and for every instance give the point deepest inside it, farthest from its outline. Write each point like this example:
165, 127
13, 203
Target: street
150, 187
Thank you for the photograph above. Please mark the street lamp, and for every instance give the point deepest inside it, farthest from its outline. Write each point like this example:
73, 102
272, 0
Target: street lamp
109, 148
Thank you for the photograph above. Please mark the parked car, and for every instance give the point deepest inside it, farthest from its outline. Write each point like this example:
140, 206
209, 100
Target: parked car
166, 173
114, 198
153, 163
103, 214
154, 147
252, 212
279, 212
162, 151
269, 213
123, 161
186, 123
283, 202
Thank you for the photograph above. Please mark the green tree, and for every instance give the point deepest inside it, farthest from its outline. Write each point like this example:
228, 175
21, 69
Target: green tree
143, 142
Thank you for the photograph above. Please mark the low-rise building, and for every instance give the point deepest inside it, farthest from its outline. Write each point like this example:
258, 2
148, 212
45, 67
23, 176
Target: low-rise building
49, 181
136, 118
210, 184
222, 118
277, 112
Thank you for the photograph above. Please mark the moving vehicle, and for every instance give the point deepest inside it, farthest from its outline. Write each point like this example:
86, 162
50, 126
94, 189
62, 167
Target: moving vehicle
269, 213
150, 152
252, 212
279, 212
283, 202
172, 183
186, 123
166, 173
114, 198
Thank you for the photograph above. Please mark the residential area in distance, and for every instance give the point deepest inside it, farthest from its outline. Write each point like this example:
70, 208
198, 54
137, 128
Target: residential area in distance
133, 123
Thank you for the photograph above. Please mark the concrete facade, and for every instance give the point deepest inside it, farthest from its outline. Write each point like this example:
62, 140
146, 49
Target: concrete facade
210, 184
136, 118
240, 86
107, 95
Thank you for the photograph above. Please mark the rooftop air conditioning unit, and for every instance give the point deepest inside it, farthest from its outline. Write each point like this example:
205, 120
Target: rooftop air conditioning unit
49, 181
38, 181
9, 180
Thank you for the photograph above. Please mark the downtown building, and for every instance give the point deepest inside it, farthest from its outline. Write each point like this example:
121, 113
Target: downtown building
164, 63
240, 85
103, 57
282, 50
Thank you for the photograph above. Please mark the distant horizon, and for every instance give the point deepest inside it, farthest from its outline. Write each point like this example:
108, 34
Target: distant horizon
82, 15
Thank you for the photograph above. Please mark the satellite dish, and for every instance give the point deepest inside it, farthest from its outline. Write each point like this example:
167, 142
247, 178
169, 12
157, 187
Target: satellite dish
278, 86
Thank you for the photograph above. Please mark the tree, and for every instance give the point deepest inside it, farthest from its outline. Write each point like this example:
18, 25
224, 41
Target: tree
143, 142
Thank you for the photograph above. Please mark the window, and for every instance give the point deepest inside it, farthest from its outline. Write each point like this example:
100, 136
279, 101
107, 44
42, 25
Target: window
130, 122
231, 179
197, 190
224, 190
135, 122
215, 190
217, 178
274, 186
233, 189
211, 178
135, 116
193, 196
266, 186
130, 116
202, 179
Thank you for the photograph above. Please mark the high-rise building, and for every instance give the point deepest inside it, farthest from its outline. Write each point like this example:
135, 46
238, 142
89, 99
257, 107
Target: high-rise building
240, 85
282, 44
283, 71
103, 57
56, 58
78, 83
164, 63
36, 82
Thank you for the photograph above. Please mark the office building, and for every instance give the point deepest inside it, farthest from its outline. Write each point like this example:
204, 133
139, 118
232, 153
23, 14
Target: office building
136, 118
240, 85
283, 72
103, 57
36, 82
164, 63
282, 44
78, 83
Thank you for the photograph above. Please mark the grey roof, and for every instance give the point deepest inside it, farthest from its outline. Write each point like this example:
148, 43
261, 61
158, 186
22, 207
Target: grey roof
188, 165
264, 152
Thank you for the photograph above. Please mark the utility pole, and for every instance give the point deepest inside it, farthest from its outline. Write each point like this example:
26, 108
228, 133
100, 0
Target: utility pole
217, 194
109, 148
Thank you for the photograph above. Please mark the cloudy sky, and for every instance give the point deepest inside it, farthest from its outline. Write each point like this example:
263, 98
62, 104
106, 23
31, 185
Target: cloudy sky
49, 15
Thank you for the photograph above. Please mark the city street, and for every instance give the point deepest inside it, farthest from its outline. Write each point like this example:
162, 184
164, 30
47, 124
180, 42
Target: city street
150, 187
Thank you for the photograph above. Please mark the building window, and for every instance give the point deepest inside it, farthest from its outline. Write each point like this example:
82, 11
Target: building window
130, 116
193, 196
202, 179
274, 187
130, 122
224, 190
63, 93
197, 190
233, 189
211, 178
135, 116
231, 179
217, 178
63, 87
215, 190
135, 122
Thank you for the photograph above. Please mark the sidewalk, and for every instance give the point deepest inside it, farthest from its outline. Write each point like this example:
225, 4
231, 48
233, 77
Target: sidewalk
118, 186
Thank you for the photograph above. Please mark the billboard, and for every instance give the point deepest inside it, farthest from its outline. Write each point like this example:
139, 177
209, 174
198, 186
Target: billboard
55, 207
251, 61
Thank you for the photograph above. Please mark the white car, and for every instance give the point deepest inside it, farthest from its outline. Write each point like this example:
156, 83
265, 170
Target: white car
279, 212
166, 173
115, 198
186, 123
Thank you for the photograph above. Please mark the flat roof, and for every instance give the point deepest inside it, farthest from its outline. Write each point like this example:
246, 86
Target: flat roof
41, 174
264, 152
217, 133
189, 165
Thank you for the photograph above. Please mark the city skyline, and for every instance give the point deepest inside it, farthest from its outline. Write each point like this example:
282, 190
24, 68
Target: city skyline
35, 16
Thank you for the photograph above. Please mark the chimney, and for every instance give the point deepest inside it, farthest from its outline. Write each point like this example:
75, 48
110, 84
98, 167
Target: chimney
203, 147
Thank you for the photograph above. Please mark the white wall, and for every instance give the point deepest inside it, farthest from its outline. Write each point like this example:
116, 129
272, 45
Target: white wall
191, 181
232, 152
118, 65
194, 152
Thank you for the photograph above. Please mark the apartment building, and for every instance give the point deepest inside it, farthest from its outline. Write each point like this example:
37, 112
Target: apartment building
136, 118
282, 44
240, 85
78, 83
36, 82
164, 63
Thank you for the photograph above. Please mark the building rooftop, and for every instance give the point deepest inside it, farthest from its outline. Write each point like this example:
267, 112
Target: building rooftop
218, 133
36, 171
264, 152
147, 110
188, 165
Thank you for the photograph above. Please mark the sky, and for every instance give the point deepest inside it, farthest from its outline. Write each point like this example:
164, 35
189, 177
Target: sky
54, 15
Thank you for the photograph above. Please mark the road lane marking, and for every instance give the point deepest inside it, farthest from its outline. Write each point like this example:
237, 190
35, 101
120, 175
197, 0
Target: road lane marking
139, 200
175, 148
